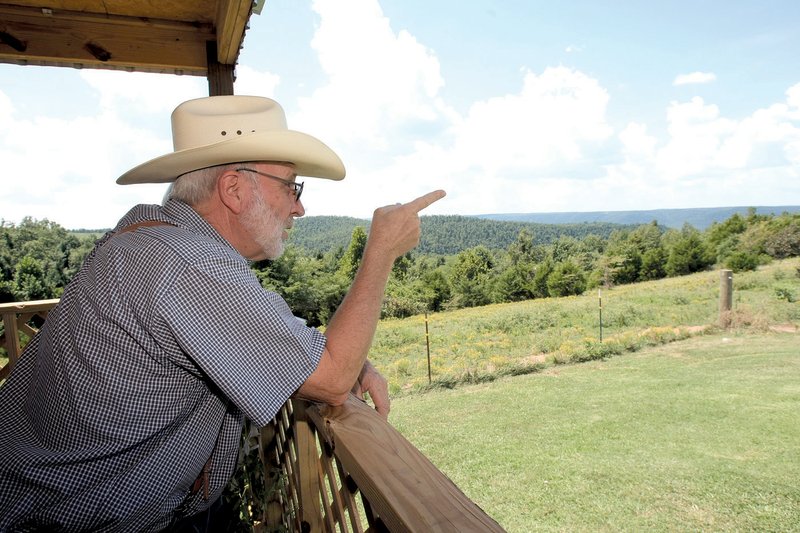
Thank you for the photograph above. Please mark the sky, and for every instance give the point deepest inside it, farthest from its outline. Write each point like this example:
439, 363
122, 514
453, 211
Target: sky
511, 106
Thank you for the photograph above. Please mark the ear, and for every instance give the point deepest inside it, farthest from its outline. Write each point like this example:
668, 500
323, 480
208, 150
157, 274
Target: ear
233, 191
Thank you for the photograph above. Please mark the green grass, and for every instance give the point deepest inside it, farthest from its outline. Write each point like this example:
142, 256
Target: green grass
487, 342
700, 435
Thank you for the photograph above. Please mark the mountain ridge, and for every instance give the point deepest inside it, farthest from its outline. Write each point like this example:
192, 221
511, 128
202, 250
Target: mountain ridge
699, 217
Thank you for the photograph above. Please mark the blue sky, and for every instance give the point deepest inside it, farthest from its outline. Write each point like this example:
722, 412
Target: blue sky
512, 106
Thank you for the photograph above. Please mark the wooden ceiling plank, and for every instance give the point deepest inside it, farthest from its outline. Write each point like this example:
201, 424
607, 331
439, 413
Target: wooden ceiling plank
232, 17
97, 42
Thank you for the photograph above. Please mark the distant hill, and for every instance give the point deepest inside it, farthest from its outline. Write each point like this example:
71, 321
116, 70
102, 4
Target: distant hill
442, 234
701, 217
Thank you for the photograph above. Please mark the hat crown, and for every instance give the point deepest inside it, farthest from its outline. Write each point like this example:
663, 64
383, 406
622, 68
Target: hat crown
218, 130
206, 121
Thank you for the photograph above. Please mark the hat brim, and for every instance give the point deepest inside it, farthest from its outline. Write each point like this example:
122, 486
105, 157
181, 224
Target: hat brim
310, 157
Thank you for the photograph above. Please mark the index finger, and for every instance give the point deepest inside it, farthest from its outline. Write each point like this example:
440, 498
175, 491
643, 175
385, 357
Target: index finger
425, 200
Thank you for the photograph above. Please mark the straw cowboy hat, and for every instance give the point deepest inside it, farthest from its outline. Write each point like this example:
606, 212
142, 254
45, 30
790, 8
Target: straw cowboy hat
230, 129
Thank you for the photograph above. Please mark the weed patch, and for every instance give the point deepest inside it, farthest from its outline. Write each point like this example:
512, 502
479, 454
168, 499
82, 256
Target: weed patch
483, 343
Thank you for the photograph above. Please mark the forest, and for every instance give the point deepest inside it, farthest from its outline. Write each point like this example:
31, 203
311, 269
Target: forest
461, 261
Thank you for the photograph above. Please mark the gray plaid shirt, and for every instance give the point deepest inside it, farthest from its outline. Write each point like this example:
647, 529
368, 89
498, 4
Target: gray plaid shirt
140, 374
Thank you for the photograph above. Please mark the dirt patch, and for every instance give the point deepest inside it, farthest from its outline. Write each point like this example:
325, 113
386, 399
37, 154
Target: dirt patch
783, 328
695, 329
535, 359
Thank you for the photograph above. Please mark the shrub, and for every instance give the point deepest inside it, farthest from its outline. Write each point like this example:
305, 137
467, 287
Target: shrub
785, 293
566, 280
742, 261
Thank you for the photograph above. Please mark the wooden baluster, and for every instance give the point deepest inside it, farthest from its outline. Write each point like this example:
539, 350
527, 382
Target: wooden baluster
307, 471
12, 344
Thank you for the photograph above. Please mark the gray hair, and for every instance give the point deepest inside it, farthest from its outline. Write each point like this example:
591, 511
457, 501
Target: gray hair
196, 186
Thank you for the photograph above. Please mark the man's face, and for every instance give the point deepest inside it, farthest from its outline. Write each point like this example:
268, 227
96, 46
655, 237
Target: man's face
272, 209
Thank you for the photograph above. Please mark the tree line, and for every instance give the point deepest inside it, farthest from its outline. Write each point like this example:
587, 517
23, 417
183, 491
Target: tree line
37, 258
443, 234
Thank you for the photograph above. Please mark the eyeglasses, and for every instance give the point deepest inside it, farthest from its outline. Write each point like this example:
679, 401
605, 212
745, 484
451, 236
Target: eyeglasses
296, 187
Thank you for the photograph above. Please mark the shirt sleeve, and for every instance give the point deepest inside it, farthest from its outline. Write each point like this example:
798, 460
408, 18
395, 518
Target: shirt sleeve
243, 338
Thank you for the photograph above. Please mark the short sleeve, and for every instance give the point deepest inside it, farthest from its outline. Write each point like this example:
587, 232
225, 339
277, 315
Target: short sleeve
243, 338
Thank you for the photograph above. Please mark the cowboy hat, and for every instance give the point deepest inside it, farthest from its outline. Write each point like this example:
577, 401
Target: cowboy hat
218, 130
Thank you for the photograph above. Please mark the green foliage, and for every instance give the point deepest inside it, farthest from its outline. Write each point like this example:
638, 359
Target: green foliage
719, 232
516, 283
489, 338
566, 279
688, 253
741, 261
540, 276
444, 234
470, 277
37, 259
785, 293
29, 281
351, 260
653, 264
519, 261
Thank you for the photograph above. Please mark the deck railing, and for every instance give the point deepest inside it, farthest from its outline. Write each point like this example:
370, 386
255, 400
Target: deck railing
342, 469
19, 321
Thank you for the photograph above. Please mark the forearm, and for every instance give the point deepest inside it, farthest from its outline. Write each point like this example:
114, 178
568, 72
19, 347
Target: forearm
395, 230
352, 328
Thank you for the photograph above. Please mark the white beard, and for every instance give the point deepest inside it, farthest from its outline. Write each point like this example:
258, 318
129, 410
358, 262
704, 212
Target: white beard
264, 227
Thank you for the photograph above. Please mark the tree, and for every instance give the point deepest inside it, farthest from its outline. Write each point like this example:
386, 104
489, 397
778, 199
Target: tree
688, 253
515, 283
435, 289
566, 279
542, 272
522, 249
742, 261
351, 260
29, 281
470, 277
653, 263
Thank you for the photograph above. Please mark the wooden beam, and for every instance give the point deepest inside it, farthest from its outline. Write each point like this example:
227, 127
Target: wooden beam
43, 37
220, 77
232, 17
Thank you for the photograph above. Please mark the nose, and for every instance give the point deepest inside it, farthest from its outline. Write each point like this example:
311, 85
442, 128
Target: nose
298, 210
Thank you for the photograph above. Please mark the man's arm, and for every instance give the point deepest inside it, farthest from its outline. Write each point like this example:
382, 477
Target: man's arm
394, 231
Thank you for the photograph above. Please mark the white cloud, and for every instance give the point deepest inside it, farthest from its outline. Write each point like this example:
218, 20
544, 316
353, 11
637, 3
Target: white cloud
536, 149
708, 159
66, 168
694, 78
140, 92
549, 123
546, 145
382, 85
252, 82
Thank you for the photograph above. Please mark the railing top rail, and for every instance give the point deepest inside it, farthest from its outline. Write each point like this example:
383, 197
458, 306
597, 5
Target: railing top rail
402, 486
30, 307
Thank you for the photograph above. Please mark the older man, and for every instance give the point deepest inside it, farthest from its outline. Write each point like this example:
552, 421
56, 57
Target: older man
135, 389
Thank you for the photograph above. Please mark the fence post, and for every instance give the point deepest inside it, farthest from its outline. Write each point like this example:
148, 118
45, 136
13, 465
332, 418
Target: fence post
428, 346
725, 297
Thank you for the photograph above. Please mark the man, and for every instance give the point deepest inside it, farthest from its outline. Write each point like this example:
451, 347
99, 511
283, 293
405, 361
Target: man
125, 412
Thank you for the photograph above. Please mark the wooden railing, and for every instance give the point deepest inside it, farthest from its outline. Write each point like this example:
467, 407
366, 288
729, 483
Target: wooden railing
342, 469
18, 319
346, 469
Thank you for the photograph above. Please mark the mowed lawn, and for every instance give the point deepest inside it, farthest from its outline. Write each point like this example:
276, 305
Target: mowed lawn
697, 435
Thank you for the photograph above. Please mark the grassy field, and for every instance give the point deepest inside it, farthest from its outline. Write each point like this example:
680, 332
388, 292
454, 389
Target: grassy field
698, 435
478, 344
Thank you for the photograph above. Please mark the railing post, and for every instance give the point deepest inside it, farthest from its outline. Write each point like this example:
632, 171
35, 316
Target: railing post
15, 316
12, 345
725, 297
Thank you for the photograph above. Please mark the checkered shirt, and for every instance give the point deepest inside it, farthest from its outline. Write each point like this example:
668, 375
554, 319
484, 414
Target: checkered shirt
159, 346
